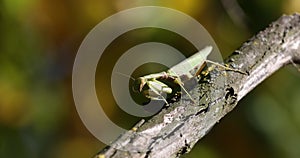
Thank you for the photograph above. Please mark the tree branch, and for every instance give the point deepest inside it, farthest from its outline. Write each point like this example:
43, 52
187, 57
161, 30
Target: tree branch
176, 129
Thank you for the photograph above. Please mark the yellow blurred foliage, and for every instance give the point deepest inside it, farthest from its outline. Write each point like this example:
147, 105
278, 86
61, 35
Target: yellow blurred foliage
17, 8
75, 148
13, 104
187, 6
291, 6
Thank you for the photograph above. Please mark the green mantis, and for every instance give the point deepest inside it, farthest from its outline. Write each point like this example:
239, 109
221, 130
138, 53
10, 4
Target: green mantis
183, 71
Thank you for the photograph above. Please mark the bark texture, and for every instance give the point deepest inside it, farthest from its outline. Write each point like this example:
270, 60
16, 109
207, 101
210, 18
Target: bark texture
176, 129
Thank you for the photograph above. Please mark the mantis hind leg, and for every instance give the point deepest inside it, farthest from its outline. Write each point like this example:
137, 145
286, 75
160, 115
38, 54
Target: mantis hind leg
226, 68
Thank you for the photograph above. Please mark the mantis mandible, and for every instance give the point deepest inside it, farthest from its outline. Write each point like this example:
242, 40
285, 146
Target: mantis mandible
183, 71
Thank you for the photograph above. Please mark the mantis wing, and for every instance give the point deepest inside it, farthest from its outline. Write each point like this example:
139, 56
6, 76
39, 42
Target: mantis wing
189, 67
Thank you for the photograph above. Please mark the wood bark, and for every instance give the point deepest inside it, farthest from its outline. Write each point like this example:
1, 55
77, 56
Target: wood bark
175, 130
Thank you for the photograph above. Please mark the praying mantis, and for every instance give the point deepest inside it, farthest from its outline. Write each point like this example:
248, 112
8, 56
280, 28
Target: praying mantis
183, 71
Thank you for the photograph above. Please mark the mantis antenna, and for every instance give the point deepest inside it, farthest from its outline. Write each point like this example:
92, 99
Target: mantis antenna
126, 76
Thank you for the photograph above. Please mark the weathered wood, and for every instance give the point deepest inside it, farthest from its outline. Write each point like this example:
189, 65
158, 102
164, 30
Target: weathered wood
176, 129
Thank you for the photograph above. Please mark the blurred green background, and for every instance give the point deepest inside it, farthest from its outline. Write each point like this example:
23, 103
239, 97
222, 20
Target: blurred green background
38, 43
